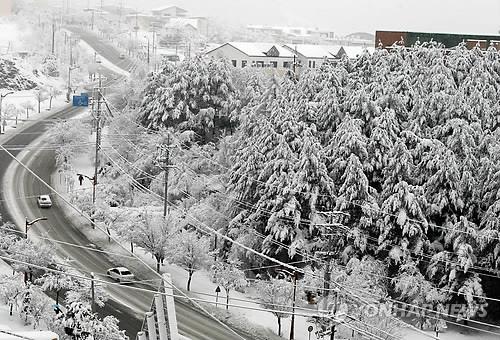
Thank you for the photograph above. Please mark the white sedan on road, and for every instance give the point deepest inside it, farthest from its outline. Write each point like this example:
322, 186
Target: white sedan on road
44, 201
120, 274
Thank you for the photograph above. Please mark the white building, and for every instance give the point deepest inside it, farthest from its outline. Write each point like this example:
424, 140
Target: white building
170, 12
313, 56
292, 33
242, 54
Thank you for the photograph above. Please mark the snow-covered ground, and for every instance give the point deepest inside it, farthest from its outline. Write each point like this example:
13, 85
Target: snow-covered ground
14, 322
10, 37
203, 288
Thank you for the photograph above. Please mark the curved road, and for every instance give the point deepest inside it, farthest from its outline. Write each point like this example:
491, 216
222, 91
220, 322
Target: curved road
126, 304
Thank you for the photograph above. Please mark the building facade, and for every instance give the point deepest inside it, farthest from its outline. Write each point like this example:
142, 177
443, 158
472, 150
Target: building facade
299, 56
241, 54
386, 39
170, 12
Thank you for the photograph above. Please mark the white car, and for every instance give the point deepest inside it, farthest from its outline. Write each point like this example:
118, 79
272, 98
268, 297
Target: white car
44, 201
120, 274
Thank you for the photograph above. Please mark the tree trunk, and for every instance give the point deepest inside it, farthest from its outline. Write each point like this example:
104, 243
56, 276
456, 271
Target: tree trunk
190, 272
227, 299
57, 297
132, 247
157, 264
10, 309
27, 114
38, 106
279, 326
50, 103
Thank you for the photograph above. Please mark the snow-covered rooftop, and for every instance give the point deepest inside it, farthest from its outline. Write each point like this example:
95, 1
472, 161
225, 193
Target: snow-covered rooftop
315, 51
252, 49
183, 22
164, 8
355, 51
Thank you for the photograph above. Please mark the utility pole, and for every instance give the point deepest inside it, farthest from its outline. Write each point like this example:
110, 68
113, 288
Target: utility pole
97, 116
53, 36
120, 16
148, 55
92, 291
332, 332
163, 159
293, 275
154, 55
292, 324
330, 252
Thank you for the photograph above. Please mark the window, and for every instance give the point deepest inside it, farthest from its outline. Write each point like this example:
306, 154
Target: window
243, 63
260, 64
287, 64
274, 64
235, 62
312, 63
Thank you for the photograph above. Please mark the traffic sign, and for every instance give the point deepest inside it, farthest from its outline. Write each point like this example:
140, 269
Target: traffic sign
80, 101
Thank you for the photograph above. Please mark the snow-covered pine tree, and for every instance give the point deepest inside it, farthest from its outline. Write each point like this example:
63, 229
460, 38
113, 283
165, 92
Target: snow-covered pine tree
197, 95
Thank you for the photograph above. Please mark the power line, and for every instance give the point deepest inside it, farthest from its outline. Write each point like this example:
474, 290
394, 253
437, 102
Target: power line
230, 240
138, 258
247, 248
108, 157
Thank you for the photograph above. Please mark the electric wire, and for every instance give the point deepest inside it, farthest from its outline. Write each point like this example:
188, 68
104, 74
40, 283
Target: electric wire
159, 197
114, 239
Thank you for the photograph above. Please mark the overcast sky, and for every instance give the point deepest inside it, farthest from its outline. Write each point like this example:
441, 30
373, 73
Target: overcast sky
346, 16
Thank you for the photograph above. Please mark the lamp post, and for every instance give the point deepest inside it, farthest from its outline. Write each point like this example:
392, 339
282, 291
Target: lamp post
310, 329
68, 94
92, 179
294, 276
30, 223
2, 120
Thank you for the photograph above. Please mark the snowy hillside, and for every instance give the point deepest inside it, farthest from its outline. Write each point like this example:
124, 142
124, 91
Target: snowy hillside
11, 78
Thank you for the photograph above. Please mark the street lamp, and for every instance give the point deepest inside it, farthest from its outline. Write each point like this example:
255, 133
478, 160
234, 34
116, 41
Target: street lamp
68, 94
294, 276
1, 120
92, 179
30, 223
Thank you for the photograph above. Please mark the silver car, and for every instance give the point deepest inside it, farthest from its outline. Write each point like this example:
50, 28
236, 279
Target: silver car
44, 201
120, 274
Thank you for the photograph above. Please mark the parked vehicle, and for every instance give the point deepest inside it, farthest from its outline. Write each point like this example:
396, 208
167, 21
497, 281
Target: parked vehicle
122, 56
120, 274
44, 201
